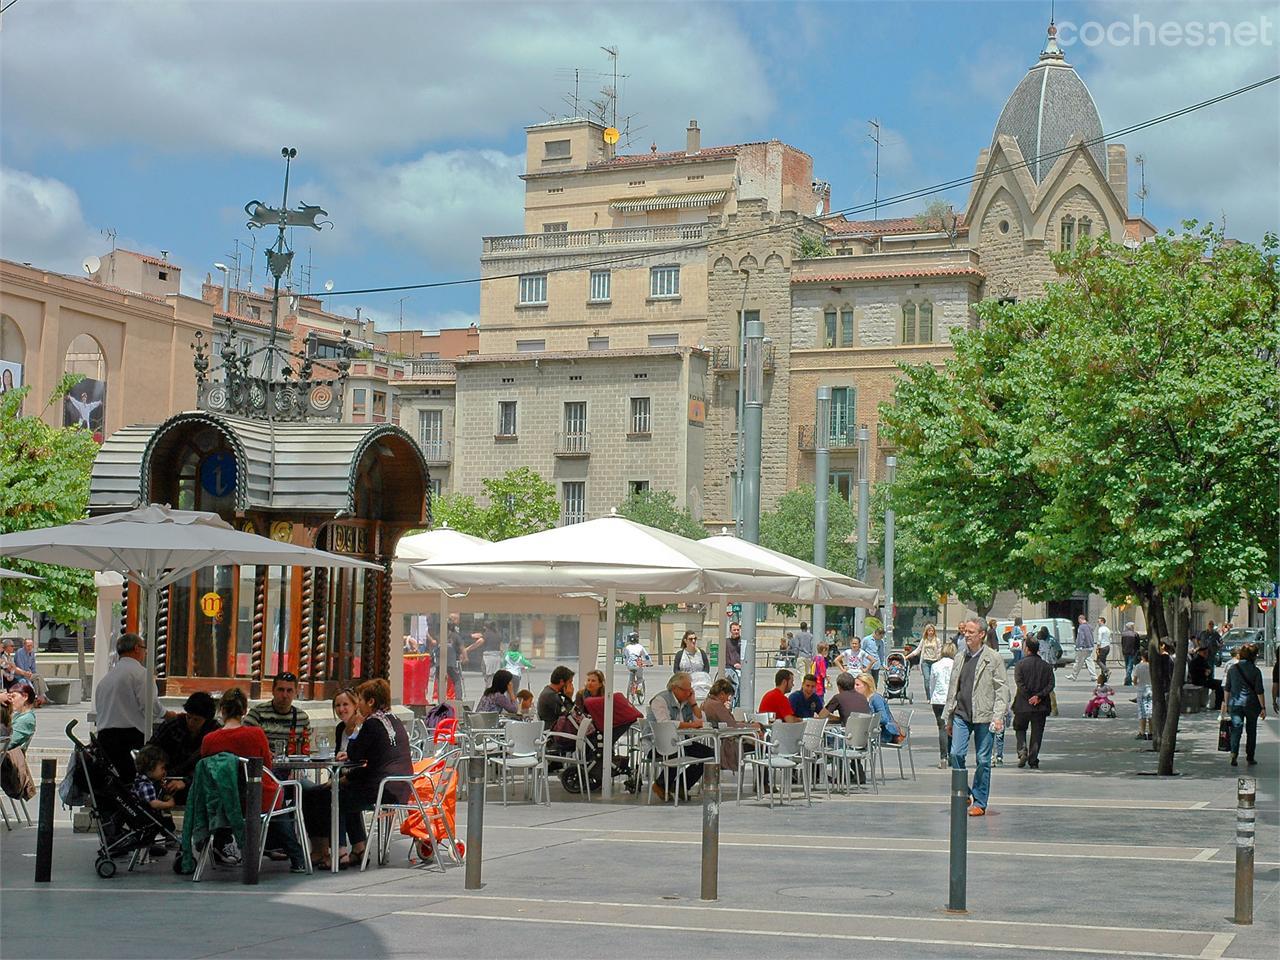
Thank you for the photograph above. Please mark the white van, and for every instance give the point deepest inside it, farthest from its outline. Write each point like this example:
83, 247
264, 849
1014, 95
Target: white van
1061, 639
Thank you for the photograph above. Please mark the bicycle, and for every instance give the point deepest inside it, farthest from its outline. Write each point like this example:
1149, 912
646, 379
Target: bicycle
635, 687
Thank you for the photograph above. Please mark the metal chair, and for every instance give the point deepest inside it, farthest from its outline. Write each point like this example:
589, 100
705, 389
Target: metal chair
581, 755
435, 773
848, 748
282, 807
523, 748
668, 754
811, 743
899, 748
778, 756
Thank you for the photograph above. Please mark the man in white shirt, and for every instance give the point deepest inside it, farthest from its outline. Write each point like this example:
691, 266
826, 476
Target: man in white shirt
121, 703
1102, 641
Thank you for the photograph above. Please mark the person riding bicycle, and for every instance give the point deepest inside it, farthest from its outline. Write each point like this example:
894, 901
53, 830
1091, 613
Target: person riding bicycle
636, 657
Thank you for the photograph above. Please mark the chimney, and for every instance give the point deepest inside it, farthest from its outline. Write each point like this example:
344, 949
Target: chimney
693, 143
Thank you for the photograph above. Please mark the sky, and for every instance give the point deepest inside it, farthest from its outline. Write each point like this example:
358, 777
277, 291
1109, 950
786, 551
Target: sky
159, 120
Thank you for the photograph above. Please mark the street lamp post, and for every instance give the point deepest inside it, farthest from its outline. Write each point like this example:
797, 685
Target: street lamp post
891, 467
864, 497
753, 426
226, 286
822, 484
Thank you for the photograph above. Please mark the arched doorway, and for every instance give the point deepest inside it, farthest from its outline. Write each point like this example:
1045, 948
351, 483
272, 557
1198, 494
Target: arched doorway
13, 355
86, 405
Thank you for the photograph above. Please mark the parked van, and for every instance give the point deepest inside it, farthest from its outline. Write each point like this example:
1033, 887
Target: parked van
1061, 639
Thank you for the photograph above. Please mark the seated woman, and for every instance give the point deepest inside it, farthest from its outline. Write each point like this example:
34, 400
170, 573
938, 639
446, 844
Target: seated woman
22, 726
379, 749
889, 731
246, 741
347, 709
499, 695
715, 709
593, 686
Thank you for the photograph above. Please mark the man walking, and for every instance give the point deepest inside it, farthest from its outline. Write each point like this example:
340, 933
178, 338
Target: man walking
1033, 680
733, 659
992, 638
1084, 646
121, 703
878, 646
1102, 644
977, 700
802, 644
1129, 648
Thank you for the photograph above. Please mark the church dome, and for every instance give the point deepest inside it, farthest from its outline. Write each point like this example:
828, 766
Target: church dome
1049, 107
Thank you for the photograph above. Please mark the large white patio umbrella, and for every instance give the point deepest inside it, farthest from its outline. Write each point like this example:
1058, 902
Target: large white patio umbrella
155, 546
611, 557
440, 543
815, 584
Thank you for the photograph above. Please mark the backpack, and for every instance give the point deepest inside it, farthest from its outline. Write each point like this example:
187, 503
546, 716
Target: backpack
441, 711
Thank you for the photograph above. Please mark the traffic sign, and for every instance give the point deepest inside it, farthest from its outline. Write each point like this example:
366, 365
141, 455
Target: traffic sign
211, 605
735, 608
1265, 604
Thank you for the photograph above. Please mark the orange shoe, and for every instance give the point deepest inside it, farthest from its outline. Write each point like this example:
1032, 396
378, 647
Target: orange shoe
977, 811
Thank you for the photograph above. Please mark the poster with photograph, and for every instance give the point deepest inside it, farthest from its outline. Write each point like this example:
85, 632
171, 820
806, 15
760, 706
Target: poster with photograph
86, 406
10, 376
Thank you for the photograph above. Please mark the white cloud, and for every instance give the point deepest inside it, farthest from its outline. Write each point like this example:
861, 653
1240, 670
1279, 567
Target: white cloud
41, 223
440, 204
1218, 162
355, 80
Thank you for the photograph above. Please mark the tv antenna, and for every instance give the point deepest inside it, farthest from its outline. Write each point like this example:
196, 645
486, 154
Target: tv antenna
874, 137
1141, 161
110, 234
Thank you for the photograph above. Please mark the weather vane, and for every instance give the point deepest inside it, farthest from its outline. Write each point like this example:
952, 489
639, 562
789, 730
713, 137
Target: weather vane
278, 391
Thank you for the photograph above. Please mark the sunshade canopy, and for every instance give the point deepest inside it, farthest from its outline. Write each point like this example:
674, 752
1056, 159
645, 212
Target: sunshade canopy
816, 584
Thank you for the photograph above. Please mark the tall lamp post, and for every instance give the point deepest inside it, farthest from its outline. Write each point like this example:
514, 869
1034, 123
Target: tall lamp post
822, 484
226, 286
753, 426
864, 498
891, 468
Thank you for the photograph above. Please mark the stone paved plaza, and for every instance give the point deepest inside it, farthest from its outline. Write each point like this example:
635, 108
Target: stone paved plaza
1083, 858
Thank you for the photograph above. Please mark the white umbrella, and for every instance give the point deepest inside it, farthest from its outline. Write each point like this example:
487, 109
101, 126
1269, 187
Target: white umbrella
816, 584
434, 545
155, 546
613, 557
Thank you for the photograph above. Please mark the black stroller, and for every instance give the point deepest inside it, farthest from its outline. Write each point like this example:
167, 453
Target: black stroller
126, 826
897, 680
625, 715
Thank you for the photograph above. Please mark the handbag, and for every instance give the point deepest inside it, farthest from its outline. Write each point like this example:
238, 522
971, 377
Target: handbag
1224, 735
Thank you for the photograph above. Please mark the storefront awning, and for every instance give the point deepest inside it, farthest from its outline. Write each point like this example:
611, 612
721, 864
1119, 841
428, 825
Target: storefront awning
671, 201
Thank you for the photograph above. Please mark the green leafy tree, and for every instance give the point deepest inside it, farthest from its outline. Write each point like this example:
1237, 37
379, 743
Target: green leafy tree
1118, 435
790, 528
44, 482
519, 502
658, 509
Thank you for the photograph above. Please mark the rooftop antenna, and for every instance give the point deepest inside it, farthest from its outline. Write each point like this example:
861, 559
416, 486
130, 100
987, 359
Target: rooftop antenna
110, 234
874, 136
611, 92
1141, 160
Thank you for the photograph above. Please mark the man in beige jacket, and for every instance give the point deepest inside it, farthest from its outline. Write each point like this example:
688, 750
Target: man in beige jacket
977, 701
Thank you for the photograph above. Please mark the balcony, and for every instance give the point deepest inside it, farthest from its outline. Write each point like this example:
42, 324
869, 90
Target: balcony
574, 444
430, 370
437, 452
727, 359
574, 240
843, 440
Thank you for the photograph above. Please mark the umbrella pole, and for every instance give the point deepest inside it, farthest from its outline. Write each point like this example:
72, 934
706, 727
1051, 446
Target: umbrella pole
610, 621
442, 650
153, 600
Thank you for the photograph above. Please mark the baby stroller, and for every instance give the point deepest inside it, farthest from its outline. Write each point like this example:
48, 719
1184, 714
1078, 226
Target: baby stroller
126, 826
624, 716
897, 679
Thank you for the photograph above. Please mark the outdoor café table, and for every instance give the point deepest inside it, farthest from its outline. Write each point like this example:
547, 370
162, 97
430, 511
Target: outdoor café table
316, 765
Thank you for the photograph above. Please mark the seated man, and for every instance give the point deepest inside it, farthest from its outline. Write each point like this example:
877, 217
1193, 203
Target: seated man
1200, 673
805, 702
284, 724
847, 700
678, 703
556, 699
775, 701
24, 665
180, 738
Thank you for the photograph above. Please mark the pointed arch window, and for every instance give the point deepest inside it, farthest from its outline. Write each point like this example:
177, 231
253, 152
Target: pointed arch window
1084, 227
1067, 233
924, 329
908, 322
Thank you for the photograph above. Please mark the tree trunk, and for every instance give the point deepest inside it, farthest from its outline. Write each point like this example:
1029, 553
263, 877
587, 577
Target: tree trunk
1157, 630
1182, 630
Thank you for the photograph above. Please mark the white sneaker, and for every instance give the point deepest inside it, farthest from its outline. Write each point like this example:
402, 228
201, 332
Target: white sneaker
229, 854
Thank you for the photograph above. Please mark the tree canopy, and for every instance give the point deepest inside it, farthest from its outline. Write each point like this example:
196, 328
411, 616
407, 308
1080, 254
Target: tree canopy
519, 502
658, 509
1117, 435
44, 482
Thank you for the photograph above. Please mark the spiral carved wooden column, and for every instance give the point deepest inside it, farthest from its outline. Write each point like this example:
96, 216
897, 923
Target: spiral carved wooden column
320, 639
369, 628
162, 634
306, 621
124, 608
384, 621
259, 625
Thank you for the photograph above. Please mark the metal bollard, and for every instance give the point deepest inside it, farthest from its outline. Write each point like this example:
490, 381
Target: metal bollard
1246, 790
44, 825
710, 831
253, 822
959, 840
475, 821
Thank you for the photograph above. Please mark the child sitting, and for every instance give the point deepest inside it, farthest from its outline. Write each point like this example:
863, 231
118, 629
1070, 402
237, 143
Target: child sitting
525, 700
150, 787
1101, 705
